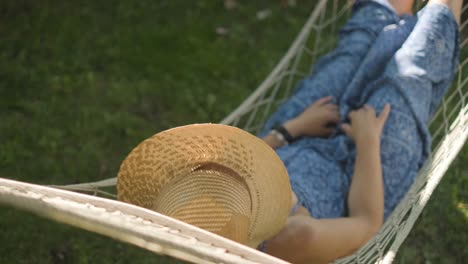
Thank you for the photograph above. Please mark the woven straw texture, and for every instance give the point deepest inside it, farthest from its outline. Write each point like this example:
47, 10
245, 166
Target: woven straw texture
236, 178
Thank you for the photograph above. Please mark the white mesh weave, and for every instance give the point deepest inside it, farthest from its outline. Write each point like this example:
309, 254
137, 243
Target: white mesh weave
449, 128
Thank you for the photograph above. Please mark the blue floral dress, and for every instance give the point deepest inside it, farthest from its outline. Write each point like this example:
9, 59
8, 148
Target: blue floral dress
380, 58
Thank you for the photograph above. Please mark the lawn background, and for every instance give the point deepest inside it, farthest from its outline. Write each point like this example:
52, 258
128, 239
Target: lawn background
83, 82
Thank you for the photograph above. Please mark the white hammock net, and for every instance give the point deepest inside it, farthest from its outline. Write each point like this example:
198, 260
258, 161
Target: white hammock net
168, 236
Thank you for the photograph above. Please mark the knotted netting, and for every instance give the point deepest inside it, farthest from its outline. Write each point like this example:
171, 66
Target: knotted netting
165, 235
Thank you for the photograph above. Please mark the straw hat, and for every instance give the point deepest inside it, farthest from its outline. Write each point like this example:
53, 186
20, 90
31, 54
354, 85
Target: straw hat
219, 178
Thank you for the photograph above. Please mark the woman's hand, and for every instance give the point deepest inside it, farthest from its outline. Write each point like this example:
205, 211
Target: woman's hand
317, 120
365, 125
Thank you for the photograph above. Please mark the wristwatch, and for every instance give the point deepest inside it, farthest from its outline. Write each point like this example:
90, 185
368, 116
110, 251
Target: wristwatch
280, 132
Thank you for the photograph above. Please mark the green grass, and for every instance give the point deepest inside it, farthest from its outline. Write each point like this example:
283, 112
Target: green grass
82, 83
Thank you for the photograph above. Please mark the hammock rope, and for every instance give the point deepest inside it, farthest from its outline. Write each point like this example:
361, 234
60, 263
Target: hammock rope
168, 236
129, 223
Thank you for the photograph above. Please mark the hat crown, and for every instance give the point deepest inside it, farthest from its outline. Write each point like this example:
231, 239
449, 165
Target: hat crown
212, 197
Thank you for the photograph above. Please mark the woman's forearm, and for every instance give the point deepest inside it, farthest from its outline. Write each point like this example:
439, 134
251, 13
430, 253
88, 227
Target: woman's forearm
315, 121
309, 240
366, 196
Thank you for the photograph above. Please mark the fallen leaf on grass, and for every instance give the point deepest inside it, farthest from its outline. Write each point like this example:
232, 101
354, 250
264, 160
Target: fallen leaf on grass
230, 4
222, 31
288, 3
263, 14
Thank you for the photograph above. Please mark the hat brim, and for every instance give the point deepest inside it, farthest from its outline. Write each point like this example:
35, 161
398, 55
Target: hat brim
178, 151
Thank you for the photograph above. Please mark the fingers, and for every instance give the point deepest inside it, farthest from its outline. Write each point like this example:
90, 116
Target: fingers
333, 113
347, 129
324, 100
333, 107
384, 114
327, 131
352, 114
334, 117
369, 109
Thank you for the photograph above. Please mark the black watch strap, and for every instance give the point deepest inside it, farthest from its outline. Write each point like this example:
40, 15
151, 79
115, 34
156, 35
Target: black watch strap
280, 129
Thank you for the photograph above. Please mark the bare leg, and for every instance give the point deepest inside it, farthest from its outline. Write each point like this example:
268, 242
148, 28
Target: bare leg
454, 5
402, 6
405, 6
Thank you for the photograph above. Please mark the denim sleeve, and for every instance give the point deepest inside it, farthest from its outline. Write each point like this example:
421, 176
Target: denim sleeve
335, 70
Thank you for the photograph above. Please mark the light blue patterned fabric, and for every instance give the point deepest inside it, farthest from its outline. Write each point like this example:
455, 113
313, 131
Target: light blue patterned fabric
380, 58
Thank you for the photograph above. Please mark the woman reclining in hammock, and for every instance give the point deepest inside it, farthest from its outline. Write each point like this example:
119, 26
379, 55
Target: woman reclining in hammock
348, 166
